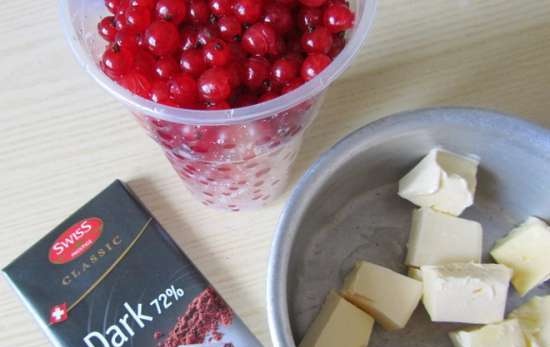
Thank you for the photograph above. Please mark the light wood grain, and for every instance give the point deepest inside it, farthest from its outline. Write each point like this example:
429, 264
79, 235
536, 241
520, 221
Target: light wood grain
62, 138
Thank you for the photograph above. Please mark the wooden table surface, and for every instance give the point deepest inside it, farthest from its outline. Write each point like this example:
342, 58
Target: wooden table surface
63, 139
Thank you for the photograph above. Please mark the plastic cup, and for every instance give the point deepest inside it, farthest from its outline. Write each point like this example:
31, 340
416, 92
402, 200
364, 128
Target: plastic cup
232, 159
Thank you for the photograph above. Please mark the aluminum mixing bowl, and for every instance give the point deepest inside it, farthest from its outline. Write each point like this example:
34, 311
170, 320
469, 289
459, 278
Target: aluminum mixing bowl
346, 208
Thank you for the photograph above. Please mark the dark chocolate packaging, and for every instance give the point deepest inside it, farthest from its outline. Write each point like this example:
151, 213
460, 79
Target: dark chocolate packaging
111, 276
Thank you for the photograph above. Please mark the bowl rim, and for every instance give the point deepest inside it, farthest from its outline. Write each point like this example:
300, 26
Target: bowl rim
307, 91
276, 287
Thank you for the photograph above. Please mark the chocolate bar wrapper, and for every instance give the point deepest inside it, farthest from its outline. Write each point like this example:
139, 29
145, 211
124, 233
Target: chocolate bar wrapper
111, 276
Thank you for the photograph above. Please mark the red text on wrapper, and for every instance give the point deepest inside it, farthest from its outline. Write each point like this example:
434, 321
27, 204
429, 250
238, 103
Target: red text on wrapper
76, 240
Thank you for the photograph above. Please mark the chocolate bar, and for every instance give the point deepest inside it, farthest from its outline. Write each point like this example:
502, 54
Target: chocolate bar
111, 276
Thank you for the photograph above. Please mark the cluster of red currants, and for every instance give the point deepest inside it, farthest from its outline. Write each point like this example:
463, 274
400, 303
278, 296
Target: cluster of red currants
220, 54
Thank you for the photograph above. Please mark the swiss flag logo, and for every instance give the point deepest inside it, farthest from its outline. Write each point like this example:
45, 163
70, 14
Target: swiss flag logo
58, 314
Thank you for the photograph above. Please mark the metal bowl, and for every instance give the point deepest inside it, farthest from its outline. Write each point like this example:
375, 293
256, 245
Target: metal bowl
346, 208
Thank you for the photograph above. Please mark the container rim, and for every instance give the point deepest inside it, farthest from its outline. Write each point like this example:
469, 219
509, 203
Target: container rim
217, 117
522, 131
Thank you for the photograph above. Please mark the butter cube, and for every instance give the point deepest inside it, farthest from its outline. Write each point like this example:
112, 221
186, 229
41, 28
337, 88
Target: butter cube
534, 319
526, 250
466, 293
339, 324
443, 181
415, 273
504, 334
438, 239
387, 295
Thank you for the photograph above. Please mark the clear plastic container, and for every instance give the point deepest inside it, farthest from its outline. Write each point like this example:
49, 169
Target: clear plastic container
232, 159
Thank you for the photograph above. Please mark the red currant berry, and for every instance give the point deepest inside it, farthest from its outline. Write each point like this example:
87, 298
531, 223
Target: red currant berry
256, 72
338, 17
260, 39
317, 41
160, 92
112, 5
308, 18
216, 52
136, 83
183, 88
107, 29
148, 4
313, 3
214, 84
162, 37
198, 11
284, 70
171, 10
230, 28
137, 18
205, 33
144, 63
120, 22
188, 36
313, 65
141, 40
166, 67
248, 11
235, 70
294, 84
220, 7
192, 62
279, 17
338, 44
116, 61
127, 39
122, 7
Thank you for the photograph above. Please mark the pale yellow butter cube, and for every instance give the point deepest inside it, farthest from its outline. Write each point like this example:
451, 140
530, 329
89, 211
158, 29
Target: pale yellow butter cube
504, 334
443, 181
534, 318
466, 293
526, 250
339, 324
388, 296
437, 239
